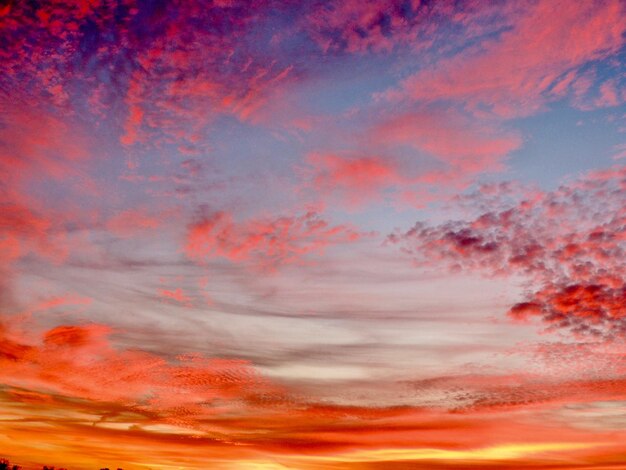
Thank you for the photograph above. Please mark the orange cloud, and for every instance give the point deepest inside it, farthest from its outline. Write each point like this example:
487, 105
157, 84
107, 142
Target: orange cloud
72, 380
80, 362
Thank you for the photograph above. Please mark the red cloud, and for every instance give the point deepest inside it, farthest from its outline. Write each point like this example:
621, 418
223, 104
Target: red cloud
586, 309
72, 336
570, 243
267, 243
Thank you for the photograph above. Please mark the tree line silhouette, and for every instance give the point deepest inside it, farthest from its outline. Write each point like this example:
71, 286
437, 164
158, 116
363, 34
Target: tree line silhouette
6, 465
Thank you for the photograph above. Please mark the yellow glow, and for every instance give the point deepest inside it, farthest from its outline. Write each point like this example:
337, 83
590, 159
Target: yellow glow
503, 452
258, 466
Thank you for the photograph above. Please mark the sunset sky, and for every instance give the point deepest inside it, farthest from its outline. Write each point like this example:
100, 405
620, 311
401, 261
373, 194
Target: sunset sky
320, 234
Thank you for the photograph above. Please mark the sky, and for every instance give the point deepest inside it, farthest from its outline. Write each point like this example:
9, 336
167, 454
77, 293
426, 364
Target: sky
326, 234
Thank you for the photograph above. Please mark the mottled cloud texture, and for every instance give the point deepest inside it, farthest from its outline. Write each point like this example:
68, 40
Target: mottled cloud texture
332, 234
568, 243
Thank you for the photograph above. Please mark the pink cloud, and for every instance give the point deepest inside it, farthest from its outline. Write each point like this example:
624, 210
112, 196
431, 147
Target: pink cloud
356, 179
177, 295
468, 146
182, 86
266, 243
130, 222
38, 143
449, 150
24, 231
356, 26
395, 26
513, 74
57, 301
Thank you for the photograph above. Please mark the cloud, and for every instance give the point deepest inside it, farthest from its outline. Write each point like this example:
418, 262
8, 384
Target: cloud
187, 77
357, 27
177, 295
37, 143
72, 379
155, 74
228, 81
24, 231
567, 243
538, 53
356, 180
585, 308
466, 146
130, 222
79, 361
267, 243
447, 152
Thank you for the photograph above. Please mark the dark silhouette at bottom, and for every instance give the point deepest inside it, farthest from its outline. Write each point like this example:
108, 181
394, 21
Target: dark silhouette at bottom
6, 465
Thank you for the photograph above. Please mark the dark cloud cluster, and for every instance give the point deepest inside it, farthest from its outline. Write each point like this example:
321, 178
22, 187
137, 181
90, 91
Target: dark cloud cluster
569, 243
